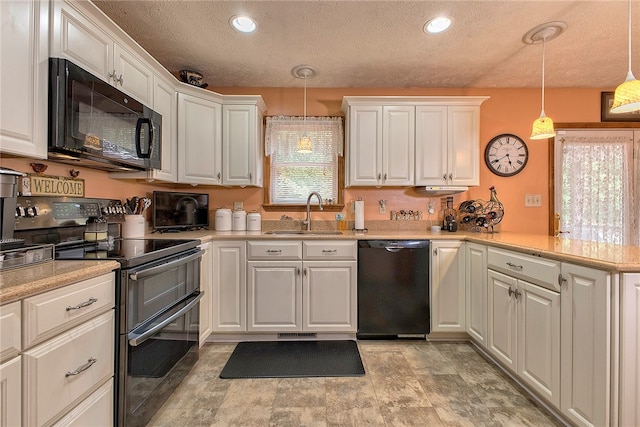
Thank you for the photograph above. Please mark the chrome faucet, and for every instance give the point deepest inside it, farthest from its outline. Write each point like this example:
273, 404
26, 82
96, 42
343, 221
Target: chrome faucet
307, 221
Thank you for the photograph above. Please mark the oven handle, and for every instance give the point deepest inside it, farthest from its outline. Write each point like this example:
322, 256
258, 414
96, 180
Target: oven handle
138, 338
136, 275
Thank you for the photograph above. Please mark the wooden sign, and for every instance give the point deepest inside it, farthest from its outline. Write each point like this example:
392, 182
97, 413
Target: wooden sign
47, 185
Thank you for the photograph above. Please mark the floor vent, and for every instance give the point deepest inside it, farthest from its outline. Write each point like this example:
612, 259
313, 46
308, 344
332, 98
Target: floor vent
297, 335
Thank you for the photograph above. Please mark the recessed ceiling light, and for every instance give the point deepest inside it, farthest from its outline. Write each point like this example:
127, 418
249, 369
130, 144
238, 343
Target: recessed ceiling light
437, 25
243, 23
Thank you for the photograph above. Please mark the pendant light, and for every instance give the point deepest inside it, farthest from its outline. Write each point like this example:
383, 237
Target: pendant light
543, 126
627, 95
304, 72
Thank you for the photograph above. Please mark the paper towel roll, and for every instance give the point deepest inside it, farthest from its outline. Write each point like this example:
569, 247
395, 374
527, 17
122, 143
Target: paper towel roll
359, 213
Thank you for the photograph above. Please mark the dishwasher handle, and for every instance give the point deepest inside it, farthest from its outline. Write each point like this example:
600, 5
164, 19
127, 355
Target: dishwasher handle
393, 248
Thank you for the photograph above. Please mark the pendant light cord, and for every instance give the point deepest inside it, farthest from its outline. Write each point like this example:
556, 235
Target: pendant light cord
304, 124
543, 49
629, 36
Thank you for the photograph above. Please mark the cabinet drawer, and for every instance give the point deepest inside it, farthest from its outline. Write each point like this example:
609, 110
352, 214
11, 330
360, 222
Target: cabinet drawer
10, 342
330, 249
534, 269
96, 409
271, 249
67, 368
48, 314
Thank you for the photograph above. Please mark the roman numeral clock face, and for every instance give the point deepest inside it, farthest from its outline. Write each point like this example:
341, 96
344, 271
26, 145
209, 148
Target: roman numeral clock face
506, 155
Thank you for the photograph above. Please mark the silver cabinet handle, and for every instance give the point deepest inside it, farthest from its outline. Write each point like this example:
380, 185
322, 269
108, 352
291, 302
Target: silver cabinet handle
379, 177
385, 176
510, 291
250, 176
112, 75
329, 251
517, 267
444, 177
297, 271
82, 368
517, 293
218, 176
450, 177
119, 80
435, 251
305, 272
273, 251
561, 280
82, 304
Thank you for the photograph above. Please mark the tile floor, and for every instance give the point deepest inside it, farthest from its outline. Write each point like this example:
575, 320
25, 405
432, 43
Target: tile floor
408, 383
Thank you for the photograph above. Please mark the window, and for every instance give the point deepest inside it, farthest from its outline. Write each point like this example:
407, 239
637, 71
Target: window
293, 175
596, 185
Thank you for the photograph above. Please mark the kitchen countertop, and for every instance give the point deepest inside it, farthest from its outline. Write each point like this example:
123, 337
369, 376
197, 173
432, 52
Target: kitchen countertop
22, 282
26, 281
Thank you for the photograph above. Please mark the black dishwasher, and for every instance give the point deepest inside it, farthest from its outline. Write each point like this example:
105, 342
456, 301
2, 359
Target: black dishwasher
393, 289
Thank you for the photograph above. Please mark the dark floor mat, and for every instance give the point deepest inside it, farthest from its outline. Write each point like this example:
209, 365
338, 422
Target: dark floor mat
294, 359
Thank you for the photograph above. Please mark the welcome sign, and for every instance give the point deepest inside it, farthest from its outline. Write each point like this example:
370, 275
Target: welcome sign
47, 185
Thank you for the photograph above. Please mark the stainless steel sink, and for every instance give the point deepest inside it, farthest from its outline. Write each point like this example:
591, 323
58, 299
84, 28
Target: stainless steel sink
304, 232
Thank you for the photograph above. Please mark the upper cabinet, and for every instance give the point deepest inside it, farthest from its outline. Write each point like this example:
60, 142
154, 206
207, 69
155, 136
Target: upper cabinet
242, 134
405, 141
87, 43
24, 67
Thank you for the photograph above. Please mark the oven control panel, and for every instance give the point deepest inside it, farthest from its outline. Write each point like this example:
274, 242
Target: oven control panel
48, 212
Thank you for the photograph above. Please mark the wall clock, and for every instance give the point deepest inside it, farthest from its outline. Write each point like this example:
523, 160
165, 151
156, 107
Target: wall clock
506, 155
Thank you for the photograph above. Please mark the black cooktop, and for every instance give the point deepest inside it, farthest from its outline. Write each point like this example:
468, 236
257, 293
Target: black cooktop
128, 252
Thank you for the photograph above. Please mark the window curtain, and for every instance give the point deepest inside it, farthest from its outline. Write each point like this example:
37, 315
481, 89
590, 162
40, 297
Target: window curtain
282, 134
598, 193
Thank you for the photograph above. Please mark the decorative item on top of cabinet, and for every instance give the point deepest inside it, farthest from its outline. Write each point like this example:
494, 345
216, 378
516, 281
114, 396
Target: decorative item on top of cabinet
476, 215
506, 155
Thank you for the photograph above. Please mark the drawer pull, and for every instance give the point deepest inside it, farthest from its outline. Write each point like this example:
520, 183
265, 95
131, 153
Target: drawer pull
87, 303
329, 251
512, 265
82, 368
274, 251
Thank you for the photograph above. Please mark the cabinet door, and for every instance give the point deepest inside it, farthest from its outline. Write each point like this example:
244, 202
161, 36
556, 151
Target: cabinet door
501, 333
164, 102
431, 145
365, 146
329, 296
398, 145
11, 392
24, 67
586, 342
76, 38
132, 75
239, 145
447, 287
274, 296
630, 350
539, 340
476, 260
229, 286
464, 151
206, 286
199, 140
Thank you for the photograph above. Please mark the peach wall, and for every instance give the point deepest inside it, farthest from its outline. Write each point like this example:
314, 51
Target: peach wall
507, 111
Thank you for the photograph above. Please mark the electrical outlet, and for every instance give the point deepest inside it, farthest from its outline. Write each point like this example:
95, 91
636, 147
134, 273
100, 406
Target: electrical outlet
532, 200
383, 206
237, 206
430, 208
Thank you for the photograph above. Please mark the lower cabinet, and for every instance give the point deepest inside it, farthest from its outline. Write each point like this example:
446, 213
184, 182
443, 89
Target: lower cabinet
11, 392
229, 286
448, 308
630, 350
304, 287
586, 345
476, 292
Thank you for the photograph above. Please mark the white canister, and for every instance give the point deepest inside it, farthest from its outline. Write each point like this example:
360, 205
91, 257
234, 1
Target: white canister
239, 220
254, 221
223, 219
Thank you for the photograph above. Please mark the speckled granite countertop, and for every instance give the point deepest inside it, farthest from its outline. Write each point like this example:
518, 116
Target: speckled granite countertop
22, 282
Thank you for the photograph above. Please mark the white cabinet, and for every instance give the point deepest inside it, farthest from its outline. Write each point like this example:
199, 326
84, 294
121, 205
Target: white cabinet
85, 40
630, 350
206, 286
586, 344
229, 286
524, 319
448, 145
476, 292
448, 308
242, 136
10, 364
421, 140
24, 71
199, 139
381, 145
305, 286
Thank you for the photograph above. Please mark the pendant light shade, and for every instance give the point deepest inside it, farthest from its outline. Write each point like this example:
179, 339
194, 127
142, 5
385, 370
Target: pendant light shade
543, 126
304, 72
627, 95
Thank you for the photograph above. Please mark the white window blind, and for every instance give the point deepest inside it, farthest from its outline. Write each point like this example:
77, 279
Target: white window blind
294, 175
597, 185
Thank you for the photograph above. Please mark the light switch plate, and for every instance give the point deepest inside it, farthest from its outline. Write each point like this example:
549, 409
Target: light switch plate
532, 200
237, 206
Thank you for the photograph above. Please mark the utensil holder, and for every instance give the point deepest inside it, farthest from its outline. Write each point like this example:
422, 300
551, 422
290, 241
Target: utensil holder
134, 226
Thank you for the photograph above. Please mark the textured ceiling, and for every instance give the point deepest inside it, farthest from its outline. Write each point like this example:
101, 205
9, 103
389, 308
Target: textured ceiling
382, 44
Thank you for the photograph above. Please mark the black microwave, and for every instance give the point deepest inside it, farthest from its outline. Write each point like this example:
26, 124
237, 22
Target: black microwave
93, 124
